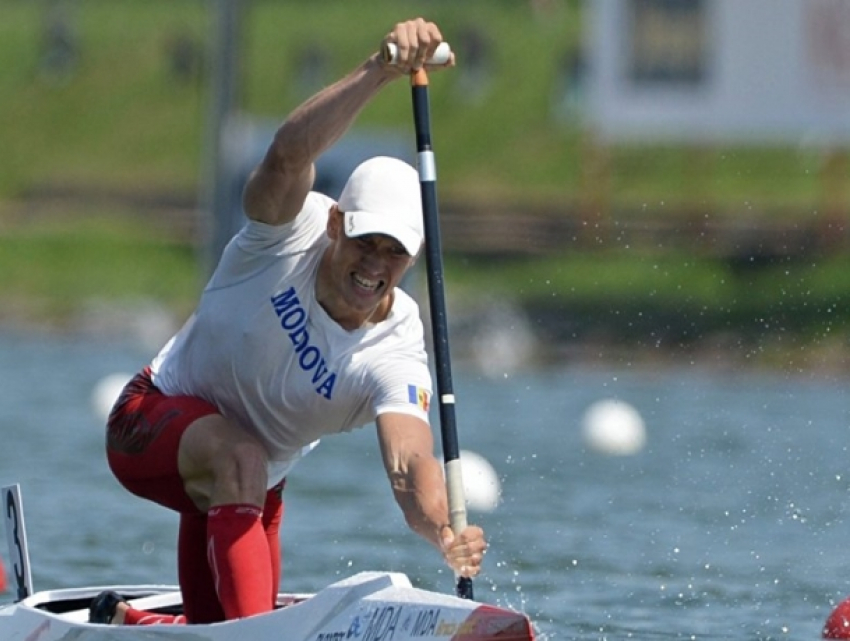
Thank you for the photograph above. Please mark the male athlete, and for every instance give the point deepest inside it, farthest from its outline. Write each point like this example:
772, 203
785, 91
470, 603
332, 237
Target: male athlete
301, 332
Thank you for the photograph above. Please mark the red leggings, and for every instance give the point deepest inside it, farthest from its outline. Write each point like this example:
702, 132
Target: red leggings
142, 440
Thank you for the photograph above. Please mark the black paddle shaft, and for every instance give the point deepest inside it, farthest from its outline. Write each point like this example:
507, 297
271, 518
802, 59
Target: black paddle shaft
436, 289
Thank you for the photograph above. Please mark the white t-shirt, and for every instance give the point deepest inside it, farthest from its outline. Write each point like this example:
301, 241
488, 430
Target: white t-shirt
261, 348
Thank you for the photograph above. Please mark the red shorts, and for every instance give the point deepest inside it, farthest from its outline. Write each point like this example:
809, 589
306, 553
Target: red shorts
142, 438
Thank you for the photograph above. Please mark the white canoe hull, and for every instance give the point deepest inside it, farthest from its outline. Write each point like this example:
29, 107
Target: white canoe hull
370, 606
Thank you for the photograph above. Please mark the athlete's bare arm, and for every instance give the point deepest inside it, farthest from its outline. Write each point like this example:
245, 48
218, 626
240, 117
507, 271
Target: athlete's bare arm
419, 488
278, 186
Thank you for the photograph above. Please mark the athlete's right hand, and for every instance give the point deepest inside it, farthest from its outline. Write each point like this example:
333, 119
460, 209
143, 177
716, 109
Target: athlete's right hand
416, 41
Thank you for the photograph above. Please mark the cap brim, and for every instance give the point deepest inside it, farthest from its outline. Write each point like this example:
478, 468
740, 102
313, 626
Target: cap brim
361, 223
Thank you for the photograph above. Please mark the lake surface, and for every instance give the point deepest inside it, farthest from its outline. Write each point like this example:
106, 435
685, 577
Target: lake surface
731, 523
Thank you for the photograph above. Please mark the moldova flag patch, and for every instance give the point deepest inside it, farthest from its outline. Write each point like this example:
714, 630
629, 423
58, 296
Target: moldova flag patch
418, 396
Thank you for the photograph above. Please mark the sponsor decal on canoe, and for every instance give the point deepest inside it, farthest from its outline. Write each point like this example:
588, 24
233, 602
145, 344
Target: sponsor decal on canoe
385, 623
488, 622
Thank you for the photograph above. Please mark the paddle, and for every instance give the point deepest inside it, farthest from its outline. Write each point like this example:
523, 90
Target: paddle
436, 296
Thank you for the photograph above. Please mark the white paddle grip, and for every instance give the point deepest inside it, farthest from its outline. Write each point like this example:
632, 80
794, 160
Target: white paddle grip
441, 56
457, 500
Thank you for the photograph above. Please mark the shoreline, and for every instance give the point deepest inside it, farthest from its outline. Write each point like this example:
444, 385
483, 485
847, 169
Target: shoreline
62, 281
486, 348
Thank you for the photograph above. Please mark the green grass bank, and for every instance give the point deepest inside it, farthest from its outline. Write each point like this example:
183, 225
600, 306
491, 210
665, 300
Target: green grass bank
122, 117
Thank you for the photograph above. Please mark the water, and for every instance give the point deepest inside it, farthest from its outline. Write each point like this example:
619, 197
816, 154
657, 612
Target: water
732, 522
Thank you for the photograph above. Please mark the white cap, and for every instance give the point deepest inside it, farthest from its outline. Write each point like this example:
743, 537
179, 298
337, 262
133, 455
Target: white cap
382, 196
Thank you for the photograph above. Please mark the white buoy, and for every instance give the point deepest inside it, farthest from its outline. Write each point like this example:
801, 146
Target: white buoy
480, 483
613, 427
106, 392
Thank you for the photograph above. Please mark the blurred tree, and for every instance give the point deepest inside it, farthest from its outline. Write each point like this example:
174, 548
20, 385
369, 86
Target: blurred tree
475, 63
313, 68
185, 56
59, 43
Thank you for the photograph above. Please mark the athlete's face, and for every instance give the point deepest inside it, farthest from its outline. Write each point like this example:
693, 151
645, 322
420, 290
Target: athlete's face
364, 270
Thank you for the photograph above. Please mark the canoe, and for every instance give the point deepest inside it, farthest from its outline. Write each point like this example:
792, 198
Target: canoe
368, 606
